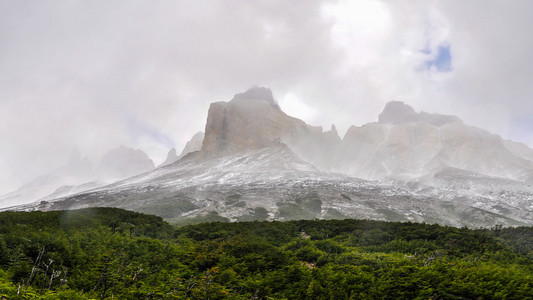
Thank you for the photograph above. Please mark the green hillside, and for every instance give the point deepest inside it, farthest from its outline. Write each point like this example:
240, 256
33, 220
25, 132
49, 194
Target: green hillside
107, 253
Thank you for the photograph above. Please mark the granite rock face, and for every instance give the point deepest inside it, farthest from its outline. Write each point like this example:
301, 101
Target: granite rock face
427, 168
195, 144
253, 120
124, 162
406, 145
397, 112
519, 149
172, 157
403, 145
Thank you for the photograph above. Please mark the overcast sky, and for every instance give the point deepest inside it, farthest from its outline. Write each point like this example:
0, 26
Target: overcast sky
98, 74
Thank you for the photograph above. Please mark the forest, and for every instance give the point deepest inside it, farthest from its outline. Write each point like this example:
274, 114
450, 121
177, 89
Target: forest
109, 253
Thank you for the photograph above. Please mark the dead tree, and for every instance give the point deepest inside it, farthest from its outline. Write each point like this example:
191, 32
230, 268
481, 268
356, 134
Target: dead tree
34, 269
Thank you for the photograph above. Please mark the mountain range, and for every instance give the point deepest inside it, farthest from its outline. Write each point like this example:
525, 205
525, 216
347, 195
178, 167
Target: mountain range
79, 175
254, 162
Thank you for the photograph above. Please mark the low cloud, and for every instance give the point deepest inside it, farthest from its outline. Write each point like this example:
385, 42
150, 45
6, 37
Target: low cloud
141, 73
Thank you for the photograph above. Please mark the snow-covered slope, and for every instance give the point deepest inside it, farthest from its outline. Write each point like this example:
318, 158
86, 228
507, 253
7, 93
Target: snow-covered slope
77, 171
79, 175
273, 182
256, 162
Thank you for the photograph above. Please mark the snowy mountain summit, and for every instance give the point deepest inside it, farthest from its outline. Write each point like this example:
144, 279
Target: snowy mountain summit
256, 163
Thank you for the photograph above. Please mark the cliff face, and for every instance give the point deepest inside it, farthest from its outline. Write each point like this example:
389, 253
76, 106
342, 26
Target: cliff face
254, 156
195, 144
124, 162
244, 124
172, 157
406, 145
397, 112
253, 120
403, 145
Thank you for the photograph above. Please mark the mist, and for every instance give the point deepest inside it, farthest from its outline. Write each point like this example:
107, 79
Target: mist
142, 74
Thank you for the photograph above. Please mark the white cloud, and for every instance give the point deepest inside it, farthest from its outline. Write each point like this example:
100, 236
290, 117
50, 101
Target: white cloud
293, 106
77, 73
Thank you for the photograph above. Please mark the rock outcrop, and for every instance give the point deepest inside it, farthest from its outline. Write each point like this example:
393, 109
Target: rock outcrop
397, 112
171, 158
124, 162
253, 120
195, 144
254, 156
405, 145
79, 175
519, 149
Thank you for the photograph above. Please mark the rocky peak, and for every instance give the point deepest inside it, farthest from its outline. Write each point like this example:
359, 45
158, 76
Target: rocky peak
172, 153
195, 144
332, 134
172, 157
253, 120
397, 112
257, 93
76, 164
124, 162
333, 130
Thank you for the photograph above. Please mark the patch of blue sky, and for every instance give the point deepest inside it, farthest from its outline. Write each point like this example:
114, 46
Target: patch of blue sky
442, 62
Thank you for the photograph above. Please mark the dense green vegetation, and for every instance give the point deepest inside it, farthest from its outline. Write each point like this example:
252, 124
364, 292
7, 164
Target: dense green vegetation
106, 253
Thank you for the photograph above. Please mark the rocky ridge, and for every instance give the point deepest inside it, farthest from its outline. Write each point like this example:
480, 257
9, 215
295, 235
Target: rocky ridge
79, 175
403, 145
423, 167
